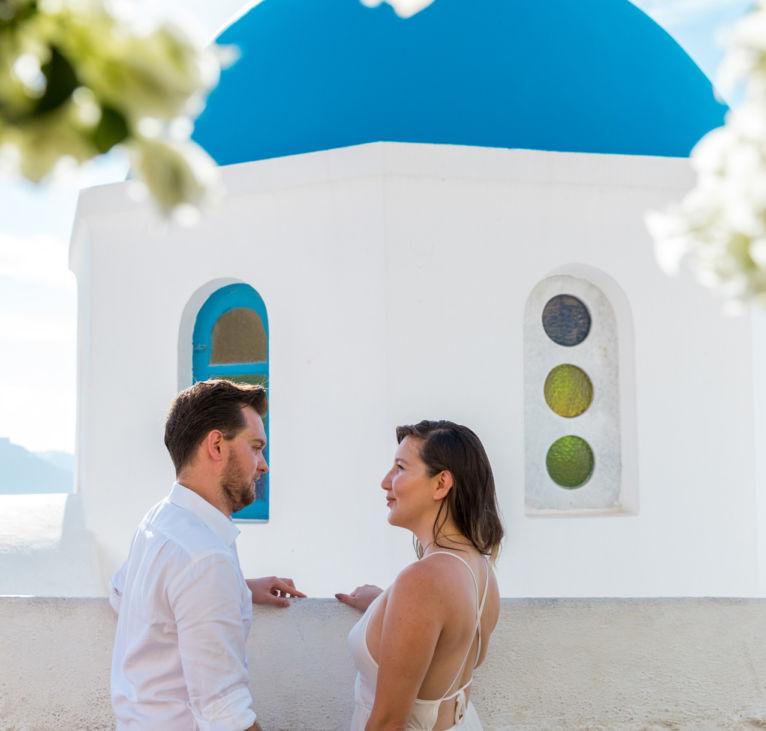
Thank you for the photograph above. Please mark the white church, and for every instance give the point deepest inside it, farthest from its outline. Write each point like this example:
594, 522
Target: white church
404, 200
434, 217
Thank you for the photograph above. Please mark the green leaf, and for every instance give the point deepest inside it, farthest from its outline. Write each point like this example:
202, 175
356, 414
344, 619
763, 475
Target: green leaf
110, 131
13, 12
61, 82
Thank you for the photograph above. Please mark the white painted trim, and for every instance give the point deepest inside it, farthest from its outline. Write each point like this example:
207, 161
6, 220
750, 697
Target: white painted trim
186, 327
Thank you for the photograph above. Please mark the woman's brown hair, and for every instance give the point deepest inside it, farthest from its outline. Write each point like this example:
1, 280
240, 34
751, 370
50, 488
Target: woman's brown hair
471, 502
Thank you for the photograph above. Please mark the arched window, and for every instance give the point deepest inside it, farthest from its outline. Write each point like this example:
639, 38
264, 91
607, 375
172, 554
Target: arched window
574, 442
231, 340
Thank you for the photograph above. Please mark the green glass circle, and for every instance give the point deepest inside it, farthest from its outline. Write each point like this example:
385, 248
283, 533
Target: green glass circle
570, 462
568, 390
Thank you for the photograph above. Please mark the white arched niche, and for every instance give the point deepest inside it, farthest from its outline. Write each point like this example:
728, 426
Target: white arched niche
569, 428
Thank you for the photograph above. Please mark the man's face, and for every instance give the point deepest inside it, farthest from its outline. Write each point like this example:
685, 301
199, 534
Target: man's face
245, 462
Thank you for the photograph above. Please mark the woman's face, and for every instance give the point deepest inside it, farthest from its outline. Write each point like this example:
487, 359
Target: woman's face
409, 489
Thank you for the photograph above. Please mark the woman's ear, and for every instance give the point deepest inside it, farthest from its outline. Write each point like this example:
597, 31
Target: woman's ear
444, 484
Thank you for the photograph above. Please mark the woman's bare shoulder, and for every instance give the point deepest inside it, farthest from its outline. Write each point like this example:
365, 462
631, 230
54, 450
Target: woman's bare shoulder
434, 576
419, 574
424, 578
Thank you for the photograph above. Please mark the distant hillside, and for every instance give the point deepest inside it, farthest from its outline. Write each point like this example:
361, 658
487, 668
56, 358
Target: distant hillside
62, 460
22, 471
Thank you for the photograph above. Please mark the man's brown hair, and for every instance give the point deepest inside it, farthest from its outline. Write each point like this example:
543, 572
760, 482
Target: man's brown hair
205, 406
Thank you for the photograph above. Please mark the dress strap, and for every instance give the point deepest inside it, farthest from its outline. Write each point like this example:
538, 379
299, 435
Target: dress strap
477, 626
466, 564
457, 692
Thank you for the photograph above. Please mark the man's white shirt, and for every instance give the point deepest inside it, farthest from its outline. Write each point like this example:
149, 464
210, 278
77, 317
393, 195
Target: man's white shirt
180, 659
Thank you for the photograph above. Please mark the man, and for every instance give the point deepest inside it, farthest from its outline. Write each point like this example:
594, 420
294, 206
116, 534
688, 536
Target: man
184, 608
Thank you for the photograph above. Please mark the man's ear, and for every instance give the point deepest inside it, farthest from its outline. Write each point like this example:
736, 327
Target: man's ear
444, 484
214, 445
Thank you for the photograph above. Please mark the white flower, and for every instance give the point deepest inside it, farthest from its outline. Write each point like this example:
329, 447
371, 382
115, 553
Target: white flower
177, 174
671, 235
746, 57
76, 78
403, 8
45, 141
720, 226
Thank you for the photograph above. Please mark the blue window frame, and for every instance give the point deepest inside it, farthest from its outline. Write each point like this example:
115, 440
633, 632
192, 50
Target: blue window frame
230, 340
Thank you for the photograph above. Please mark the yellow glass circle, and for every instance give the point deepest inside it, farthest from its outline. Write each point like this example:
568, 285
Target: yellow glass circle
568, 390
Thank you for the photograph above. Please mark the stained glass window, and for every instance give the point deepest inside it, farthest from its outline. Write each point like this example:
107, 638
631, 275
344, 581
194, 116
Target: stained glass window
239, 337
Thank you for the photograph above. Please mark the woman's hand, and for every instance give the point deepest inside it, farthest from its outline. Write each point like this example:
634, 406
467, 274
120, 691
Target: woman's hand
361, 597
272, 590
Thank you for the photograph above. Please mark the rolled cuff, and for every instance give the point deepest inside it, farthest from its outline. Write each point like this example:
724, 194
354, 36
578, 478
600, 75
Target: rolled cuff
231, 713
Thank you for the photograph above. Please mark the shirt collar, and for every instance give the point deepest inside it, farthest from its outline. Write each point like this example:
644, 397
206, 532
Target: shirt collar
220, 524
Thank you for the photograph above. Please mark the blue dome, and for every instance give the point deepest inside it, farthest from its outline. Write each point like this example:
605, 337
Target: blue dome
596, 76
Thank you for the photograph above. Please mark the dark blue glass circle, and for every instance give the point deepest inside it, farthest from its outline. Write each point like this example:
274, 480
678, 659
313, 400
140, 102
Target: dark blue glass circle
566, 320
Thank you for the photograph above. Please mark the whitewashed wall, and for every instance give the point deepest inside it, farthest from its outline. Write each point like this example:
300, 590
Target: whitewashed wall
395, 278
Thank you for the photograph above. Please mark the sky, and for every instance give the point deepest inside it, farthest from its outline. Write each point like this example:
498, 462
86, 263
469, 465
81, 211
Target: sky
38, 299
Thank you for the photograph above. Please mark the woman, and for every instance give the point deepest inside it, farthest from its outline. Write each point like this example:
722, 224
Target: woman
418, 642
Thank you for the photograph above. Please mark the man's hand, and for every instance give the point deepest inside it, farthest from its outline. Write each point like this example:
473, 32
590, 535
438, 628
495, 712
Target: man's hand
272, 590
361, 597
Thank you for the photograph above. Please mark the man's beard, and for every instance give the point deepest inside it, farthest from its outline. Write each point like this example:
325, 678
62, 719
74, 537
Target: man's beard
237, 487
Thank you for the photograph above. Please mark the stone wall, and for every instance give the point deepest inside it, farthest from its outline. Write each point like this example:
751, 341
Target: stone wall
553, 664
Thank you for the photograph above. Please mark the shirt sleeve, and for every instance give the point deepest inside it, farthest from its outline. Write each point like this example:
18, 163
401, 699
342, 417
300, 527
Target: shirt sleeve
116, 588
207, 603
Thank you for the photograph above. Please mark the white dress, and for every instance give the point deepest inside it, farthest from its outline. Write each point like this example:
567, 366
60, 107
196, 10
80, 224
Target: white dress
424, 712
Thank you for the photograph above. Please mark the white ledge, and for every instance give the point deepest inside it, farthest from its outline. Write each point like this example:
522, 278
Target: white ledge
574, 663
